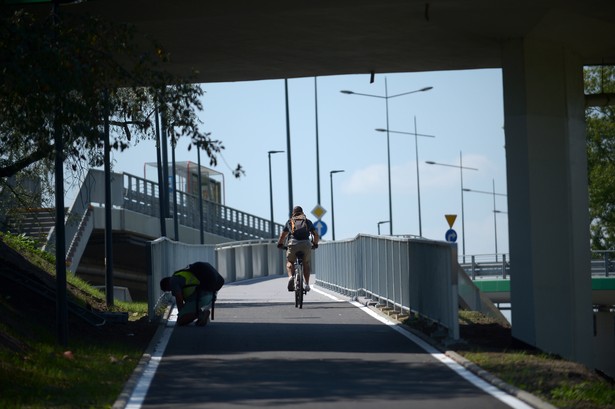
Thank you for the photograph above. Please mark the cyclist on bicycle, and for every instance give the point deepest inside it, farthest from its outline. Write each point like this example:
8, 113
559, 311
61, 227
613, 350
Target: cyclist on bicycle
296, 235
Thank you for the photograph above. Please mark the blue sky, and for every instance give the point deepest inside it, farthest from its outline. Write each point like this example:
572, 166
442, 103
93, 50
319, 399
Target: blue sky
464, 111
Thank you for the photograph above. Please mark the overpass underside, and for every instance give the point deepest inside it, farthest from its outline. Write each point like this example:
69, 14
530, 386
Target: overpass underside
541, 47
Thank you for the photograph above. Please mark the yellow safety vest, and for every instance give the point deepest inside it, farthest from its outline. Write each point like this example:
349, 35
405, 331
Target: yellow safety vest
191, 282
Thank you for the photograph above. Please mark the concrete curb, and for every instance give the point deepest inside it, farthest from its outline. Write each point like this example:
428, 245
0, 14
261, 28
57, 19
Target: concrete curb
124, 396
522, 395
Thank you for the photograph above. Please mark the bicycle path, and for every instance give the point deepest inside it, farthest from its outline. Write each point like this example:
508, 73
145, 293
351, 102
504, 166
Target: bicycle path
261, 351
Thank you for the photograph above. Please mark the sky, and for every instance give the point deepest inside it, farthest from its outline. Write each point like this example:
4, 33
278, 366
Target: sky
463, 111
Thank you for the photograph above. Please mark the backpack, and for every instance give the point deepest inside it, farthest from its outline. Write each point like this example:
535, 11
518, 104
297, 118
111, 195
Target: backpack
208, 276
299, 228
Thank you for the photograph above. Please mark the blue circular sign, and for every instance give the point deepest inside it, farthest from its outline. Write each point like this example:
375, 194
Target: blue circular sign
320, 227
451, 236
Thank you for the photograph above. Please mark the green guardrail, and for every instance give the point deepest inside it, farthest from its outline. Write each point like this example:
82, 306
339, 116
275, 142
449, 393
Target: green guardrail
503, 285
493, 286
603, 283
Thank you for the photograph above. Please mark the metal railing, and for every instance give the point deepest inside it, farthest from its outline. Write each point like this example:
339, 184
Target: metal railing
141, 195
603, 263
491, 265
486, 265
408, 275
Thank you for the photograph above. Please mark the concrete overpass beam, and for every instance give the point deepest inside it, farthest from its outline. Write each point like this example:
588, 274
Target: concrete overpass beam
548, 197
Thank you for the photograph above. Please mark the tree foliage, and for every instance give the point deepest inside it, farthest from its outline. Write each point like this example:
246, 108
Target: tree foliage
601, 158
64, 73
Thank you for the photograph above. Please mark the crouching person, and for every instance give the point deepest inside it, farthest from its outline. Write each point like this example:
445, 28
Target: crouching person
195, 288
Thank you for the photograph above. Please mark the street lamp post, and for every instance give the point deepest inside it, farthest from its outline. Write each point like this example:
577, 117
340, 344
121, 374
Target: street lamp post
418, 183
461, 168
495, 211
379, 223
271, 192
386, 97
332, 208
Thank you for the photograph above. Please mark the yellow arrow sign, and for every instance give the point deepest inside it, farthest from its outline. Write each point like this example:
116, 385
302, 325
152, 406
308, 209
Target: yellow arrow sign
450, 218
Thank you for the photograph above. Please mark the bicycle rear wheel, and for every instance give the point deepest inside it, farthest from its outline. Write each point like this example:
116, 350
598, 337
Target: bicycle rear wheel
299, 286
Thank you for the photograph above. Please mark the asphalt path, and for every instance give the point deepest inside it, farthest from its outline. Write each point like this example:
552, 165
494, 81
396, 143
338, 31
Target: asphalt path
261, 351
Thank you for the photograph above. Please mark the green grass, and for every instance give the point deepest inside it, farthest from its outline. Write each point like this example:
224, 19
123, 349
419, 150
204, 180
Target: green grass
46, 261
557, 381
36, 372
562, 383
45, 378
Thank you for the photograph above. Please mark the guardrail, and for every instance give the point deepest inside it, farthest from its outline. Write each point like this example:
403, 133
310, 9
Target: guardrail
491, 265
236, 261
141, 195
486, 265
411, 275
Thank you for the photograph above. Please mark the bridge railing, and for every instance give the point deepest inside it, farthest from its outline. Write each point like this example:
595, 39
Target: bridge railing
492, 265
236, 261
603, 263
486, 265
141, 195
411, 275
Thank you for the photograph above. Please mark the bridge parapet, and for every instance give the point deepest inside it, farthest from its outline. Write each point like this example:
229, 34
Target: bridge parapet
142, 196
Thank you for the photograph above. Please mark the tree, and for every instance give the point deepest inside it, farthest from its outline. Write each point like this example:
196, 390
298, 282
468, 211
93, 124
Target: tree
601, 158
65, 73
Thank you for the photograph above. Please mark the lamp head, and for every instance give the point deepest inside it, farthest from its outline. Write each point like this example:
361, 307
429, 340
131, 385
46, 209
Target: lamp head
380, 130
429, 162
346, 92
426, 89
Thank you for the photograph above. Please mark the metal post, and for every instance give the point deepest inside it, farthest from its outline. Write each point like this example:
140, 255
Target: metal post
418, 183
61, 293
317, 148
386, 96
463, 229
174, 181
288, 150
272, 230
495, 223
165, 160
332, 207
200, 181
162, 194
503, 265
108, 206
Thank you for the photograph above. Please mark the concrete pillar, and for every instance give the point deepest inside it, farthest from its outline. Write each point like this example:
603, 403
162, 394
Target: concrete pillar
548, 198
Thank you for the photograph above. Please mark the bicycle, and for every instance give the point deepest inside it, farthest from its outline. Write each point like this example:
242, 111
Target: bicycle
297, 277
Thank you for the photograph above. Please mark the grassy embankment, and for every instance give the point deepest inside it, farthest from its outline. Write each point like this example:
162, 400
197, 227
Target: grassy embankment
37, 372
